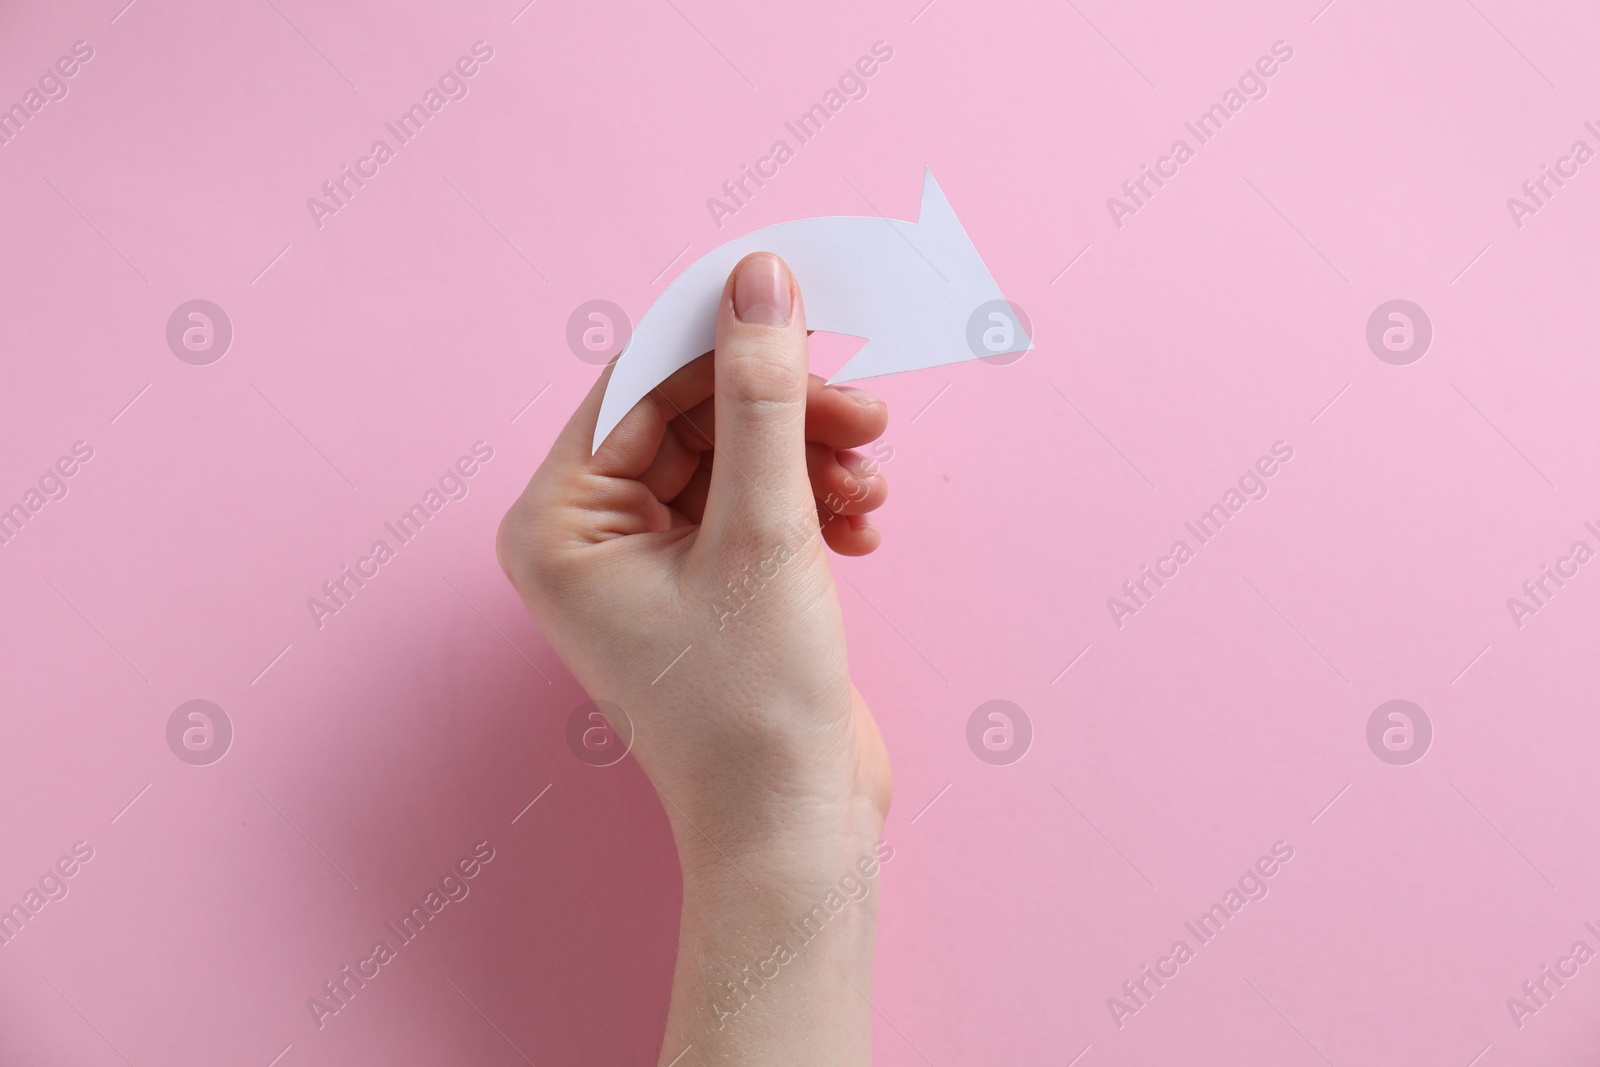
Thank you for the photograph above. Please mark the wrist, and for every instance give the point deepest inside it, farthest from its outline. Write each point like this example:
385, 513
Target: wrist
796, 811
750, 847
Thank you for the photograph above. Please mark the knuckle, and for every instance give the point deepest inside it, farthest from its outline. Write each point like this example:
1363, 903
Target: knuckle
522, 550
764, 376
511, 548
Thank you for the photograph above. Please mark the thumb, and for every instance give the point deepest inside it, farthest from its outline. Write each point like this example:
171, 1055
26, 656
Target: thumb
759, 486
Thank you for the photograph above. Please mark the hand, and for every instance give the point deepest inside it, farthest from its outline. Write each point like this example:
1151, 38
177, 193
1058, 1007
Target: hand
680, 575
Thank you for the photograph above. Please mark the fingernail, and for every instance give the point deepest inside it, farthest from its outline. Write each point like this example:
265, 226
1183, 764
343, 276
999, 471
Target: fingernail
855, 464
761, 291
860, 396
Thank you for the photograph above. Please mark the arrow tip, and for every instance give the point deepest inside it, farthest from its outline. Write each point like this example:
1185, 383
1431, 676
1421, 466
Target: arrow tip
954, 321
934, 203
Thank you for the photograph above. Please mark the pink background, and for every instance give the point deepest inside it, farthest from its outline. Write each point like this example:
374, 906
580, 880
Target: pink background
1222, 317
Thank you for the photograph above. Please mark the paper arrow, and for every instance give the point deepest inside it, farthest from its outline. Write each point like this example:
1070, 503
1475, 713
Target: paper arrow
918, 291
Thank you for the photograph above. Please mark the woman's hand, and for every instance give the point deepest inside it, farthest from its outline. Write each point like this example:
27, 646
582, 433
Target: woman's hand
680, 573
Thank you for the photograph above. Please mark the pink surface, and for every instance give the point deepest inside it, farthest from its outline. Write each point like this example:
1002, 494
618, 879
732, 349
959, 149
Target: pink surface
1227, 313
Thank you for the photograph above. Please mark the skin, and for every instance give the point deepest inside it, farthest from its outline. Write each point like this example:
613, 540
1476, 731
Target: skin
773, 775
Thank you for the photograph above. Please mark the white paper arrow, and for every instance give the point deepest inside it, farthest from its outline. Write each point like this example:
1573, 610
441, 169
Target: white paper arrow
911, 288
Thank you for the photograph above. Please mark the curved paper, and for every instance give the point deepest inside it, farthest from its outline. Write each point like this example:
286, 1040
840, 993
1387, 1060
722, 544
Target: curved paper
910, 288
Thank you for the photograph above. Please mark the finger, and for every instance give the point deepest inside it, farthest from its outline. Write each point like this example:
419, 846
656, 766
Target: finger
687, 396
851, 486
691, 501
671, 469
625, 453
575, 498
696, 428
759, 484
630, 449
845, 482
851, 535
568, 501
838, 416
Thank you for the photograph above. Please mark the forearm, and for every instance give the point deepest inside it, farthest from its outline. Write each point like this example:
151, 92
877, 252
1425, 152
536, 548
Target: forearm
775, 958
